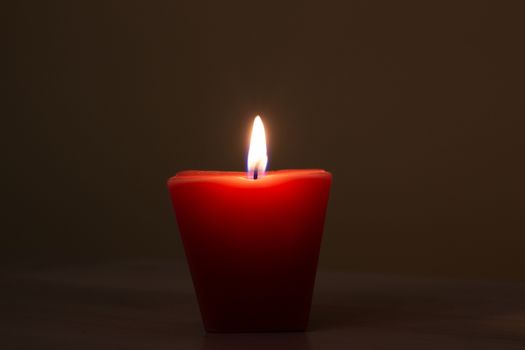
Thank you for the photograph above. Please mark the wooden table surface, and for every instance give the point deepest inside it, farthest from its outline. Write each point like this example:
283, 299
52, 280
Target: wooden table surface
151, 305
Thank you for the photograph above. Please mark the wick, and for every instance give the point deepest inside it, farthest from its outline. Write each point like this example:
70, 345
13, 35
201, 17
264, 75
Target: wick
255, 173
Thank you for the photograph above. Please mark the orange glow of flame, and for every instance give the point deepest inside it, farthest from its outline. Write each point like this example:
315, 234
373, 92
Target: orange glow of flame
257, 158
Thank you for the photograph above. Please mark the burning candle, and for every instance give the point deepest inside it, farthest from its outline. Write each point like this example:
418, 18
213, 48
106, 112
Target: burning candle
252, 241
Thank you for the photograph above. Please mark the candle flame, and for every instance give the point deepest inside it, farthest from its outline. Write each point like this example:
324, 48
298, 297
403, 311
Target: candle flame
257, 158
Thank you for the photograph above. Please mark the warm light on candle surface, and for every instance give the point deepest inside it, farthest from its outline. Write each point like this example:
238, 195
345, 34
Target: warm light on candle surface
257, 158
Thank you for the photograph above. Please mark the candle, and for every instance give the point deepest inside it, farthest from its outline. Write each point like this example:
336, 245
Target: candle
252, 241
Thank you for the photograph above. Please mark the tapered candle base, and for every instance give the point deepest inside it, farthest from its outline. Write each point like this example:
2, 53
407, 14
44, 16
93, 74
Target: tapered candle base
259, 305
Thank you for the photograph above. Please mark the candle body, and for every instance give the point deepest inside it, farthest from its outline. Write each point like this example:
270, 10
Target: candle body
252, 245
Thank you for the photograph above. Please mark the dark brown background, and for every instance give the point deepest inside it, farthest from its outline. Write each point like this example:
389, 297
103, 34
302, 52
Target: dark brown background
416, 107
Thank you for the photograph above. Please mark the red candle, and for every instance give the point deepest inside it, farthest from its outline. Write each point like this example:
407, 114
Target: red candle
252, 242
